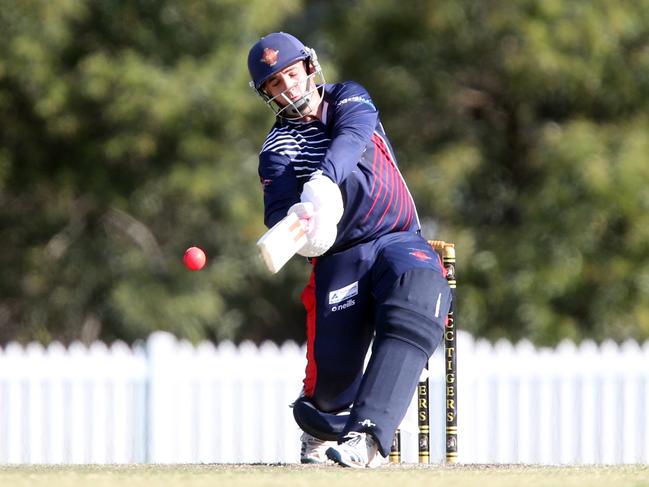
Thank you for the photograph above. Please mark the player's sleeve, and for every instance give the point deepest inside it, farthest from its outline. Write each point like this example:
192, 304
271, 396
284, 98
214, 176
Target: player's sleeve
279, 185
354, 120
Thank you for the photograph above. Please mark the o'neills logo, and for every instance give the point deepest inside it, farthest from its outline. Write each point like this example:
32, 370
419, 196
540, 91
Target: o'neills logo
269, 56
347, 304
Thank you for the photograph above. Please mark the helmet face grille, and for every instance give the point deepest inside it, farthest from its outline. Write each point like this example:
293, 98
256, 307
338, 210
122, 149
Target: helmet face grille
297, 108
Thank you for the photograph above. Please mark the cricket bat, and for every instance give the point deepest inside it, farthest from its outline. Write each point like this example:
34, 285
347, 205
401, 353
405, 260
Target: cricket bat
281, 242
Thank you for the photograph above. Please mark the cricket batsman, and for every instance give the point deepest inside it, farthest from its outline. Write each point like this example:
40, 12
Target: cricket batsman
374, 280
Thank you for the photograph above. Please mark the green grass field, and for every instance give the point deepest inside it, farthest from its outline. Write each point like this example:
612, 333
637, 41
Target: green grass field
313, 476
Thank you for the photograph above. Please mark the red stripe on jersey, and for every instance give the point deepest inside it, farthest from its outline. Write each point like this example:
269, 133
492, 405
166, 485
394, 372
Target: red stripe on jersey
309, 302
400, 198
407, 203
396, 197
407, 198
384, 177
373, 171
378, 177
390, 189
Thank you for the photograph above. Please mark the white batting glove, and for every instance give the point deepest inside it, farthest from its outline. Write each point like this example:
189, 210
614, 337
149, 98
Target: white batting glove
321, 229
325, 196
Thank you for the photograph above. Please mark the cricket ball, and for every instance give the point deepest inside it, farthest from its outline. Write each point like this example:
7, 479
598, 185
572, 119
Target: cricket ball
194, 258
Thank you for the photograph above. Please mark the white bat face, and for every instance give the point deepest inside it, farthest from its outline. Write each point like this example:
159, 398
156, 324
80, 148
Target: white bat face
282, 241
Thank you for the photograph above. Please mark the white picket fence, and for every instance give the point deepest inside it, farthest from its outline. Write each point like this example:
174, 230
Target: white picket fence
167, 401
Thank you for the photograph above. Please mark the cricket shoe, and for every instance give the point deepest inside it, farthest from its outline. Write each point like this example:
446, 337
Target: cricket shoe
358, 451
314, 450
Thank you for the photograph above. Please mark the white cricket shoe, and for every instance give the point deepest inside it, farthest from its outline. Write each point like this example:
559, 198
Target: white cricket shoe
358, 451
314, 449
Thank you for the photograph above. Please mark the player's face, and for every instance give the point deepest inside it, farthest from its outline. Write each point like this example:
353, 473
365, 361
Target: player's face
292, 92
291, 81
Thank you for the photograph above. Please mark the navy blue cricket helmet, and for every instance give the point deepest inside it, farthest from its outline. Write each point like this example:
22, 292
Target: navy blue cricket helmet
270, 55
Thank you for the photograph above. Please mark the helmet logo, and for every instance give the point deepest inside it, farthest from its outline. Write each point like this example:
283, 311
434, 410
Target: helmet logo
269, 56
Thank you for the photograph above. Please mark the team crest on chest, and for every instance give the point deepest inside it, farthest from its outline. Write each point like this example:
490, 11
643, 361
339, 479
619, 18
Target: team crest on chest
269, 56
421, 255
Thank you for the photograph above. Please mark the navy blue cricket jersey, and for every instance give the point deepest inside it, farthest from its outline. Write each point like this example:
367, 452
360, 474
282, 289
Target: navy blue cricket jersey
351, 148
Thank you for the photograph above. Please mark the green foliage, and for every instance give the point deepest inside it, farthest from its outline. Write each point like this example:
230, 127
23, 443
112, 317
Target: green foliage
522, 130
129, 133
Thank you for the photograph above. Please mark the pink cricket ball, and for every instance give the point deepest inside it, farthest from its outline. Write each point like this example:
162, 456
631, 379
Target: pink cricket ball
194, 258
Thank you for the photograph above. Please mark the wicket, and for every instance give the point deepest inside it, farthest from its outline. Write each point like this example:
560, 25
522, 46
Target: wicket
447, 251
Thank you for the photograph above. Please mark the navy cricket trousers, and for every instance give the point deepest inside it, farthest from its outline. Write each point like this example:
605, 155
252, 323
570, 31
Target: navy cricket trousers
391, 290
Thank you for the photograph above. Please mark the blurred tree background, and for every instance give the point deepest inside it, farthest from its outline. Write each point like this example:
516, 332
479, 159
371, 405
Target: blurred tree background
128, 133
